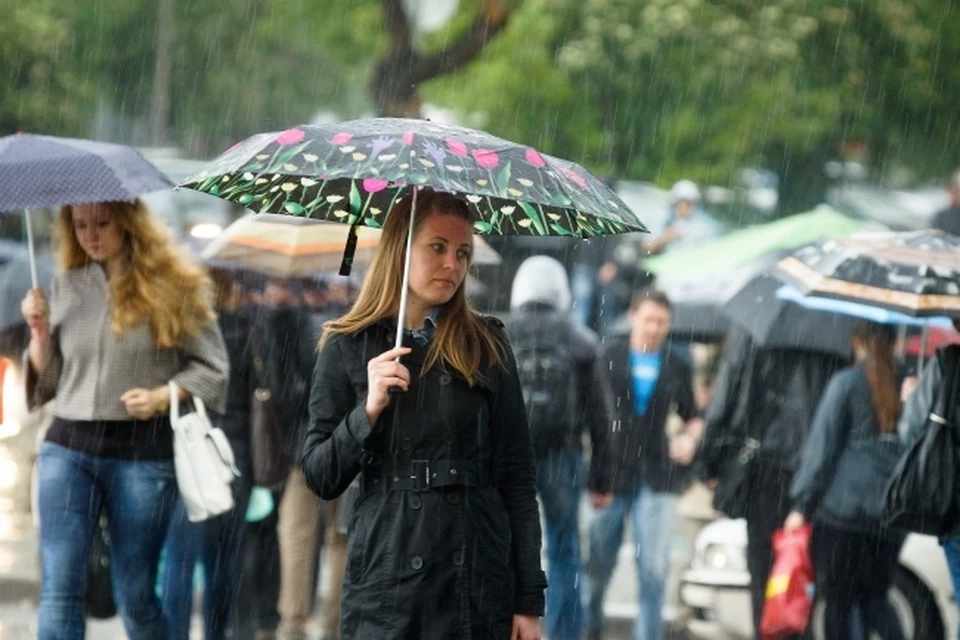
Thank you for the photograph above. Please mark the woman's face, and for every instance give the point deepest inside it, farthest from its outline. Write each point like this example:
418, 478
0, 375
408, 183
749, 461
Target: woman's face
442, 248
97, 232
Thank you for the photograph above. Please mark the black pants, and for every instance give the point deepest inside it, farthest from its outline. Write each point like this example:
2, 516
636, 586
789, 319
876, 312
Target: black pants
769, 505
854, 572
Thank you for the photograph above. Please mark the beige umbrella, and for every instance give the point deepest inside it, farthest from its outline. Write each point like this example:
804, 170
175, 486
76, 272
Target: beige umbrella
287, 246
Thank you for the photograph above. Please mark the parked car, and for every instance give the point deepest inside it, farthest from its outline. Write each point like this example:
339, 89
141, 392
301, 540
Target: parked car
716, 586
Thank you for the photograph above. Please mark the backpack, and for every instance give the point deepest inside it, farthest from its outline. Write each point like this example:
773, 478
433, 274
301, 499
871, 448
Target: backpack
548, 375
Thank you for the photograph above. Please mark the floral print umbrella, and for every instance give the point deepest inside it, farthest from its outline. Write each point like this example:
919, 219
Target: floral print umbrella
917, 272
353, 172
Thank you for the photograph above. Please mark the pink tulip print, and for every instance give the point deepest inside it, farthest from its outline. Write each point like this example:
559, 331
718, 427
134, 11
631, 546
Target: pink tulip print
341, 138
486, 158
290, 136
374, 185
457, 148
407, 138
576, 177
534, 158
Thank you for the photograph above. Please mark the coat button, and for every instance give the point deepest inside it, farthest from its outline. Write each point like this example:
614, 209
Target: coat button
415, 501
453, 498
445, 379
406, 444
449, 437
458, 558
417, 563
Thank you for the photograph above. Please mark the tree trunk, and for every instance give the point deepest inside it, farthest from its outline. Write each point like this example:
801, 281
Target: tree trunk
398, 76
162, 72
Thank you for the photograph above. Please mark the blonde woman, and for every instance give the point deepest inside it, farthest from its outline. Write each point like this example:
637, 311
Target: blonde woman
444, 540
127, 314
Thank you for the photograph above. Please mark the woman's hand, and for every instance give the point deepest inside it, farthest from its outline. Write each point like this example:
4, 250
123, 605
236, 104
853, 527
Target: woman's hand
36, 311
794, 521
525, 628
143, 404
384, 372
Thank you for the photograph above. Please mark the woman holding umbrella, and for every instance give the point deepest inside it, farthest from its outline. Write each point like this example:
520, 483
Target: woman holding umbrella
127, 315
445, 538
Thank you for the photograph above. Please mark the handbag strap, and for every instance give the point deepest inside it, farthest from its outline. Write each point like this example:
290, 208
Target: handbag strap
946, 406
259, 375
174, 401
198, 405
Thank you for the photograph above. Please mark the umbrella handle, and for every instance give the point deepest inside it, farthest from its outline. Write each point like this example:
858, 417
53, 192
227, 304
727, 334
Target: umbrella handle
31, 252
402, 313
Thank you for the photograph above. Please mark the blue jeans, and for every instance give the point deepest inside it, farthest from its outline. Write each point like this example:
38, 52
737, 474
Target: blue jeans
560, 483
951, 549
138, 497
583, 282
652, 517
217, 543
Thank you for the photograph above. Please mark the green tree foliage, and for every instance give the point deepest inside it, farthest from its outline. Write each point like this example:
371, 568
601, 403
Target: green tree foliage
39, 91
663, 89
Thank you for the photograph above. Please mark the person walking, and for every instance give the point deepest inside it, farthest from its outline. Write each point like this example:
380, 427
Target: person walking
127, 314
761, 408
566, 394
218, 542
444, 541
652, 457
847, 461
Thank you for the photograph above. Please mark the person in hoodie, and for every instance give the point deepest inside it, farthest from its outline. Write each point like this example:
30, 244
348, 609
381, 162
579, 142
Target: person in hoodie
566, 395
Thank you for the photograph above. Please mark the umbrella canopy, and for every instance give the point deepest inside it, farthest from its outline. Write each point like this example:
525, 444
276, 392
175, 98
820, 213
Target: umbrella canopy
46, 171
740, 248
287, 246
778, 323
916, 273
353, 172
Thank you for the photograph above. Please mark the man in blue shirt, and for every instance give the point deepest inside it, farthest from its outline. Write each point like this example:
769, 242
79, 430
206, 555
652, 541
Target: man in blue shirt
654, 441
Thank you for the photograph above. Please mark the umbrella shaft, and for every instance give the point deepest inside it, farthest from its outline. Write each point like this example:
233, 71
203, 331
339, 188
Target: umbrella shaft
402, 314
31, 252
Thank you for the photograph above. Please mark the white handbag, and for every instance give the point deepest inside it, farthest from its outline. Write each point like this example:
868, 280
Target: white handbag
203, 461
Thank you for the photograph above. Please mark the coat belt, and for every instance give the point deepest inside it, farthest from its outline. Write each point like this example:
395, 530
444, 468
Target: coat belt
424, 475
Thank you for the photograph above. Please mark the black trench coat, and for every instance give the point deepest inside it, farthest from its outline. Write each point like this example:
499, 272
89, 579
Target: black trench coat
445, 538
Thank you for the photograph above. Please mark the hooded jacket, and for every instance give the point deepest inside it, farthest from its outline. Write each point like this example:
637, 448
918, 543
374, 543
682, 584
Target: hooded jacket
539, 304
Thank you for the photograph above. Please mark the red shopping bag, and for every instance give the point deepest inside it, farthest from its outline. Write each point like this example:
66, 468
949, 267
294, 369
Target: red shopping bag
789, 599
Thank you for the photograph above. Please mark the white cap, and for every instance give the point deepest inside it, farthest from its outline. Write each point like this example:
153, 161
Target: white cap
684, 190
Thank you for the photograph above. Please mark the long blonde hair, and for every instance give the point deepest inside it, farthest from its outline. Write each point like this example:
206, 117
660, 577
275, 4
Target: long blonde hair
464, 339
159, 284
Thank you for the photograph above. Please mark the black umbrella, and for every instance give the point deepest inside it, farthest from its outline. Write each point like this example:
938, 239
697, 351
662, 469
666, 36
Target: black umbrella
917, 273
775, 323
46, 171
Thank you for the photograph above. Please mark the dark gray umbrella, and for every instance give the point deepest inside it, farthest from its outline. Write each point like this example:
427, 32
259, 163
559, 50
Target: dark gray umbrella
46, 171
776, 323
15, 281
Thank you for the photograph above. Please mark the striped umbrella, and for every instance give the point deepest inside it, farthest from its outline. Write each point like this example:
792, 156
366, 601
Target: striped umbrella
288, 246
916, 273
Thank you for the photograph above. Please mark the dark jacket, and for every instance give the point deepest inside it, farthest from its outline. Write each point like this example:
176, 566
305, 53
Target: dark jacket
846, 461
639, 447
287, 337
590, 405
947, 220
235, 420
453, 557
766, 394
